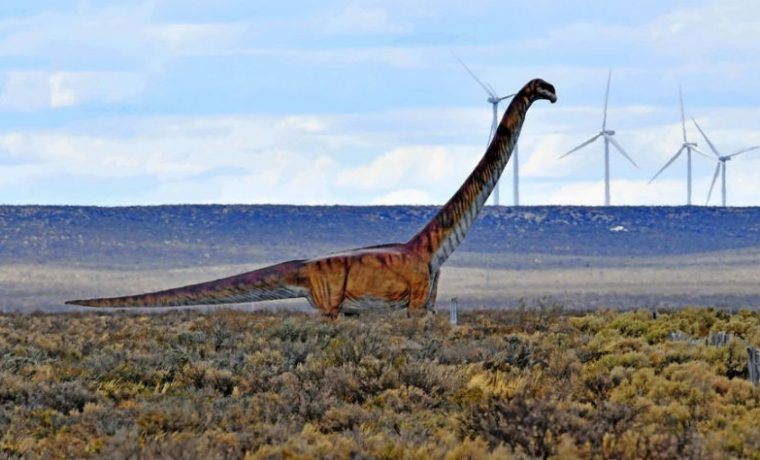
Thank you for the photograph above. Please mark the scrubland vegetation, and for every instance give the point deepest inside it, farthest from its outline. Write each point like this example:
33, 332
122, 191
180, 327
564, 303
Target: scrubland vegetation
522, 384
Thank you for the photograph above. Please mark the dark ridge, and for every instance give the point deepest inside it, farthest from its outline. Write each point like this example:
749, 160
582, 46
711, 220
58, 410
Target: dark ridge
181, 235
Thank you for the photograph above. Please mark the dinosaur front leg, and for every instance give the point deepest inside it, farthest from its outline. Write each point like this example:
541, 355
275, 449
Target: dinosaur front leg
430, 304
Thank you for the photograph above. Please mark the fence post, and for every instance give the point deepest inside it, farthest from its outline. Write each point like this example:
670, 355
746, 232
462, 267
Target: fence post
453, 311
719, 339
753, 365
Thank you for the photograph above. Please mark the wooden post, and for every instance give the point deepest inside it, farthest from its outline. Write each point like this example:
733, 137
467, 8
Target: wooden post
453, 311
753, 365
719, 339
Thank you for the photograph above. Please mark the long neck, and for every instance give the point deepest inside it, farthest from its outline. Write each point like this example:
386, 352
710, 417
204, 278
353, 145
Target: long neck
441, 236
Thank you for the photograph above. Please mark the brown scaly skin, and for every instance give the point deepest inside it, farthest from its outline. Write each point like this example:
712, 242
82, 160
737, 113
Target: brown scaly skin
386, 276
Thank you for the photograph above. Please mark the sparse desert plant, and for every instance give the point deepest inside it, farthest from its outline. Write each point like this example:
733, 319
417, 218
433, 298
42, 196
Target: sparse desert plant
503, 384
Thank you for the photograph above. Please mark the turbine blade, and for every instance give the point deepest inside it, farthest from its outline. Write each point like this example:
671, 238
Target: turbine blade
699, 151
670, 162
606, 99
715, 177
581, 146
748, 149
507, 96
712, 147
620, 149
683, 117
483, 85
493, 91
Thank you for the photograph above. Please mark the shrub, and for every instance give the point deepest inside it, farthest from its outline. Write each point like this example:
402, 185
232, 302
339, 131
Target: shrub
503, 384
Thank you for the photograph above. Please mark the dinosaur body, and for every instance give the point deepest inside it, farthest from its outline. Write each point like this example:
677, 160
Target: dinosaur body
388, 276
377, 278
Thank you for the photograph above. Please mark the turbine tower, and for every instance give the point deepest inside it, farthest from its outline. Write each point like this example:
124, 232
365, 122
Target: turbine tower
608, 139
494, 100
685, 146
721, 166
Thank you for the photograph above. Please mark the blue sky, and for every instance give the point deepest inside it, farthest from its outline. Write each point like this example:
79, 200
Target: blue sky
341, 102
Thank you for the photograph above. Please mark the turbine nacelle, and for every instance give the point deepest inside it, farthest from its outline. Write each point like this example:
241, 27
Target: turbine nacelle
690, 144
608, 132
496, 99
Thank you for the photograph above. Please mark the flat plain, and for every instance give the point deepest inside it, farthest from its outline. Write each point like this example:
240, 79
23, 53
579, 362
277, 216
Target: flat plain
577, 257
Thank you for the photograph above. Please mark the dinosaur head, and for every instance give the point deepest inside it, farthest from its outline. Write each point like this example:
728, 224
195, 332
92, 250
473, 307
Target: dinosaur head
539, 89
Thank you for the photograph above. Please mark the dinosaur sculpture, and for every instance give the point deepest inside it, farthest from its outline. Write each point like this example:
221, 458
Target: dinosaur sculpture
386, 276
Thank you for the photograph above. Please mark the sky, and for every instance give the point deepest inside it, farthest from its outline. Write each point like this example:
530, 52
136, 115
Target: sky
359, 102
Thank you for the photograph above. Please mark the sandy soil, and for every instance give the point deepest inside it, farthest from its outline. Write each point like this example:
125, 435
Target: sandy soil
727, 279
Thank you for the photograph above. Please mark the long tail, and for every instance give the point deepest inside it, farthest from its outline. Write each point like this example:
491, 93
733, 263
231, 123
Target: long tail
281, 281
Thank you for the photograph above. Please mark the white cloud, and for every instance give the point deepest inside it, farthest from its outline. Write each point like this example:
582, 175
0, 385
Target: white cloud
360, 19
401, 57
109, 55
113, 34
686, 33
708, 29
77, 88
25, 91
543, 156
179, 38
60, 94
363, 158
622, 192
308, 124
33, 91
405, 196
275, 159
297, 159
107, 40
411, 164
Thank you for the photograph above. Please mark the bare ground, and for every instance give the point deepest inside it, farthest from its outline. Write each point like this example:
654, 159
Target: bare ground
726, 279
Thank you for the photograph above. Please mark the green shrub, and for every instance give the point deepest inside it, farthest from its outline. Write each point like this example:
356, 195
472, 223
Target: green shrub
524, 383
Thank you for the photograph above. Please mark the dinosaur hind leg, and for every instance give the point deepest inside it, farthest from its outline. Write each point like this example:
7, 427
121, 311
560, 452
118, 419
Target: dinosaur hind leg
422, 296
327, 286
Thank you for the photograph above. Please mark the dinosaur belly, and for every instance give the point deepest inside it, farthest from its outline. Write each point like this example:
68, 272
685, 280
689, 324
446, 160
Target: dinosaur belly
375, 284
383, 291
370, 303
372, 279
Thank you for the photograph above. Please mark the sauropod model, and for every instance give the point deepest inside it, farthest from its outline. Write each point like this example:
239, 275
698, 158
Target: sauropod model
389, 276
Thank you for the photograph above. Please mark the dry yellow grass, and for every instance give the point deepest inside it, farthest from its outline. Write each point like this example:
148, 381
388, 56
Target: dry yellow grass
504, 384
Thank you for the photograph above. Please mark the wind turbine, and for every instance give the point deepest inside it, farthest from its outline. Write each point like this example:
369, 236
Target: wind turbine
688, 147
608, 139
494, 100
721, 166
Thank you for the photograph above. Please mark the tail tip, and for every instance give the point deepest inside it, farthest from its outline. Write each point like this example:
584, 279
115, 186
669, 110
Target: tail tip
83, 303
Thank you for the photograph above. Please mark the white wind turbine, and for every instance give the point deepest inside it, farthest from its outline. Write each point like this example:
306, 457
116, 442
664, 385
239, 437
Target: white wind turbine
686, 146
608, 139
494, 100
721, 166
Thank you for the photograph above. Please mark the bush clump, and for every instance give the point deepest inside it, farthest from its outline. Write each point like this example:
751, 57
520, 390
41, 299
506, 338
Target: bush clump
503, 384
